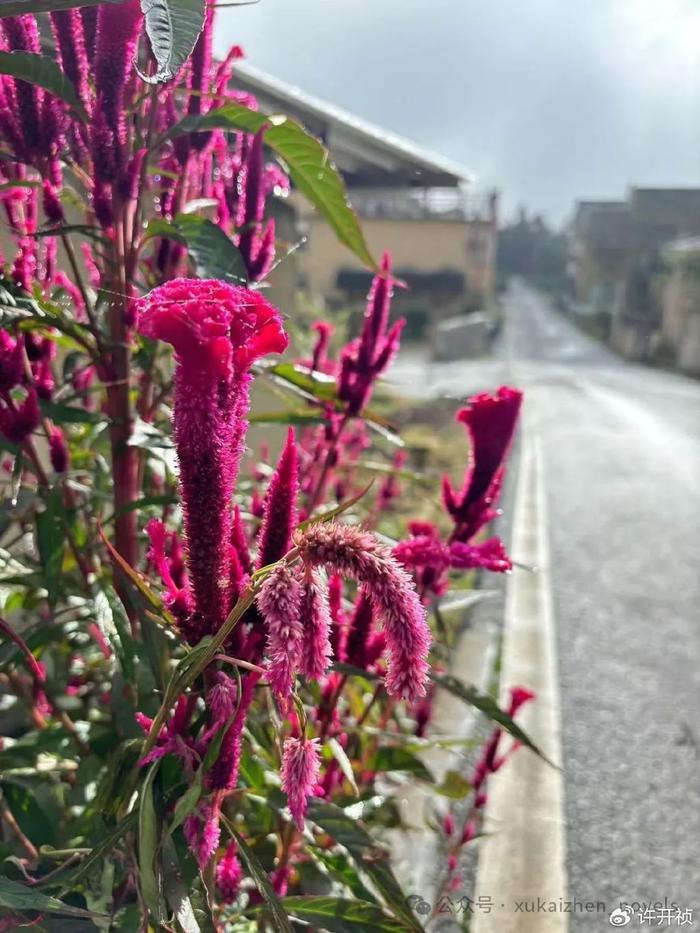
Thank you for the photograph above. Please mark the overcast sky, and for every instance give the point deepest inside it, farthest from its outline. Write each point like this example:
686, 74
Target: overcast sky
549, 100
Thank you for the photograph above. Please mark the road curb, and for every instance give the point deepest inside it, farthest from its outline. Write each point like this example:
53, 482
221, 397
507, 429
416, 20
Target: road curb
522, 863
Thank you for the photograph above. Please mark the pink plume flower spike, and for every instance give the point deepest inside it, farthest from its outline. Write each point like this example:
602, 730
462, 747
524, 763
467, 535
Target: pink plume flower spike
490, 421
279, 602
202, 832
487, 555
11, 361
316, 651
280, 514
117, 35
22, 35
301, 763
229, 874
69, 37
218, 331
359, 555
19, 421
224, 771
58, 450
324, 332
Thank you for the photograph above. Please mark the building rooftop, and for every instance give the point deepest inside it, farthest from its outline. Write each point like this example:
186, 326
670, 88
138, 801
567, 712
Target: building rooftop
368, 156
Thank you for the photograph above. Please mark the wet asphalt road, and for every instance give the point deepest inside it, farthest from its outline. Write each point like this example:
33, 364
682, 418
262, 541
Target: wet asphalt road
621, 448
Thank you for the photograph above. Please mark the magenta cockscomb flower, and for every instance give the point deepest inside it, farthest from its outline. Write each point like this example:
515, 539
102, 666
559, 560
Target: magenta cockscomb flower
301, 762
359, 555
490, 421
279, 602
316, 651
365, 359
218, 331
280, 511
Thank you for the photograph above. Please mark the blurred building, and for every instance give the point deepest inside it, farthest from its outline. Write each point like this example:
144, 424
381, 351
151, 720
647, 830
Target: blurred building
421, 207
622, 262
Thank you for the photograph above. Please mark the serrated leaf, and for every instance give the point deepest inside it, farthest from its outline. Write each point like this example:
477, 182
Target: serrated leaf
339, 915
488, 706
173, 27
43, 72
310, 167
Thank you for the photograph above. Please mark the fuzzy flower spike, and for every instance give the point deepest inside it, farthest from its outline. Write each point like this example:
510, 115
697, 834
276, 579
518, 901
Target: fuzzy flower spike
218, 331
360, 556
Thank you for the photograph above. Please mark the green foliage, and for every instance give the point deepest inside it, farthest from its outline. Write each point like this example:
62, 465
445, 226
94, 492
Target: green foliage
308, 162
173, 26
44, 72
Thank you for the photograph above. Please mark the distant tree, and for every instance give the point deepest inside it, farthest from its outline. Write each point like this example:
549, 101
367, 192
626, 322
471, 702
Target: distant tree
530, 248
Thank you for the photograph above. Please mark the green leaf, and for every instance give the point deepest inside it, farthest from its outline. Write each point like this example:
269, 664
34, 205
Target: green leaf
342, 916
148, 842
44, 72
215, 255
17, 7
488, 706
99, 852
397, 758
15, 896
310, 167
51, 542
176, 890
340, 755
313, 384
173, 26
187, 802
66, 414
286, 417
350, 833
259, 875
454, 785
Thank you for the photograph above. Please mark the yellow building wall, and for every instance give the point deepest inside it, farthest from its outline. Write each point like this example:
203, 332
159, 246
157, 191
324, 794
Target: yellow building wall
425, 245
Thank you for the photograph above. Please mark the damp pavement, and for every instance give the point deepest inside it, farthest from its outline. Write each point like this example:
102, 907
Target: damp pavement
621, 458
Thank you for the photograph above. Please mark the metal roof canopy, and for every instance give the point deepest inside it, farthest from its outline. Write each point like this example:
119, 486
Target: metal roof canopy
368, 156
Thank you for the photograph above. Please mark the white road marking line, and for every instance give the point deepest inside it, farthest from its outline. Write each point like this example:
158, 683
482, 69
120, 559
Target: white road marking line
523, 862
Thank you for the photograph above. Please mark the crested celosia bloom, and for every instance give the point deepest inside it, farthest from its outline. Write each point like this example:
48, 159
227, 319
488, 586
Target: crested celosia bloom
359, 555
280, 510
218, 331
301, 762
490, 421
279, 602
314, 612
